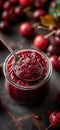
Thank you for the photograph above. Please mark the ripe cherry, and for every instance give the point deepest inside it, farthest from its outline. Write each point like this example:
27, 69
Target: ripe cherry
55, 60
57, 41
38, 117
4, 26
38, 13
5, 15
26, 2
26, 29
7, 5
18, 11
54, 119
51, 28
40, 42
58, 33
53, 50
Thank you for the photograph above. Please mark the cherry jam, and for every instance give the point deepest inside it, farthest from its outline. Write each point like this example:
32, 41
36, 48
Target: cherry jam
31, 65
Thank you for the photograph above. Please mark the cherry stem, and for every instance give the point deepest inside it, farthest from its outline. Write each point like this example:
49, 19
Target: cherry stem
39, 26
42, 27
48, 127
27, 9
49, 34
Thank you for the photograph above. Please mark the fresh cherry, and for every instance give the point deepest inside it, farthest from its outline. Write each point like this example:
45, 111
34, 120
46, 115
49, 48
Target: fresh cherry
55, 119
41, 42
38, 13
57, 41
6, 15
4, 26
26, 2
7, 5
55, 60
18, 11
58, 33
53, 50
37, 117
26, 29
51, 28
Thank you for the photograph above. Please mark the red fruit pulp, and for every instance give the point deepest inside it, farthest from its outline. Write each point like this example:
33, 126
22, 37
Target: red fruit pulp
55, 119
30, 66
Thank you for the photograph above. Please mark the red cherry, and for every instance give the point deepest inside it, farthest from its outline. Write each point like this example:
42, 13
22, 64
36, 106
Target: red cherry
18, 11
8, 15
57, 41
7, 5
58, 98
5, 15
40, 42
26, 29
55, 119
51, 28
53, 50
4, 26
38, 13
55, 60
58, 33
38, 117
26, 2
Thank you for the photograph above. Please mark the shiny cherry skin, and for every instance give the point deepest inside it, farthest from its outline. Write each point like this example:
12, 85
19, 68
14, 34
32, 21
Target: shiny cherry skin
26, 2
58, 33
26, 29
18, 11
8, 15
58, 98
53, 50
51, 28
5, 15
4, 26
54, 118
7, 5
40, 42
38, 13
55, 60
57, 41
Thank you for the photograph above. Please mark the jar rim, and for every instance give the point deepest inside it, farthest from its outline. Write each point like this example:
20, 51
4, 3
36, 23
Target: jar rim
47, 77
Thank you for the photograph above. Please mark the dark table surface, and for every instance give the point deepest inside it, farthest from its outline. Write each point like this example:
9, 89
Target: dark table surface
15, 116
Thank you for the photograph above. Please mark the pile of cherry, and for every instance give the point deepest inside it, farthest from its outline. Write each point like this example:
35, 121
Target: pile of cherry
12, 10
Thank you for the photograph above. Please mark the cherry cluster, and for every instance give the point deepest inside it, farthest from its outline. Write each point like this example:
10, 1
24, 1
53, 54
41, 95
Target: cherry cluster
13, 10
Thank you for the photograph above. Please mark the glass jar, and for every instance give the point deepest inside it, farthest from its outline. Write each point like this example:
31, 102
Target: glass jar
27, 92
